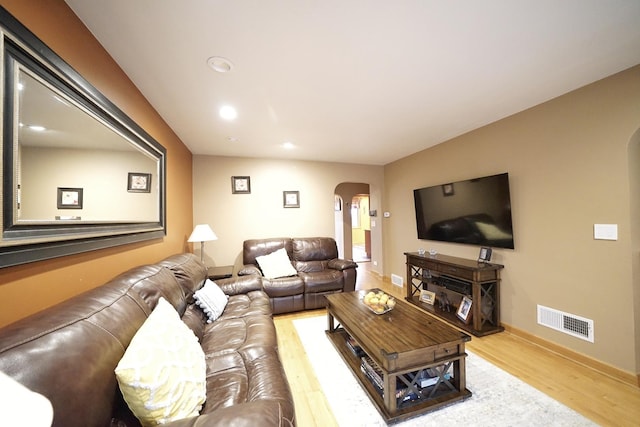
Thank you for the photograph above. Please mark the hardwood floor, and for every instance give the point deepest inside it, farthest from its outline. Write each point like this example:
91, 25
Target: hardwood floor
599, 397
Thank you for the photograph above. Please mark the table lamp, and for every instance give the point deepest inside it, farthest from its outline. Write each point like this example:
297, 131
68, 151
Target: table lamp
202, 233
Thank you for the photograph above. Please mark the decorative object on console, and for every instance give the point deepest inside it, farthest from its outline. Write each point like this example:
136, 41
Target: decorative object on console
139, 182
464, 309
276, 264
202, 233
241, 185
211, 300
291, 199
159, 383
485, 254
69, 198
427, 297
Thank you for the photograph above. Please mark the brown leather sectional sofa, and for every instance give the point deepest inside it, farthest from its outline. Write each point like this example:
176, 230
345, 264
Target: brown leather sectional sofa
320, 271
68, 352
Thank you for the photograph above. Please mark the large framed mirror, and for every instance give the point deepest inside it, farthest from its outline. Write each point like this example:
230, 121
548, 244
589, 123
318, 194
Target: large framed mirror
77, 173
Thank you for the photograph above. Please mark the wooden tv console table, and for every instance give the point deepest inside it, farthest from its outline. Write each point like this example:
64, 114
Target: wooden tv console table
452, 278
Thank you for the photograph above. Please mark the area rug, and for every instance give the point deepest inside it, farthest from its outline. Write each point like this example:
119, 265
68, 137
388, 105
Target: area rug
499, 398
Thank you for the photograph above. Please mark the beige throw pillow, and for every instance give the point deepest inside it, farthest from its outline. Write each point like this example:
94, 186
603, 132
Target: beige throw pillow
162, 373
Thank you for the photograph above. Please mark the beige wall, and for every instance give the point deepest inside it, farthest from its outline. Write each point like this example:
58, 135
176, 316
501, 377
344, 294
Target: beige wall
238, 217
568, 163
31, 287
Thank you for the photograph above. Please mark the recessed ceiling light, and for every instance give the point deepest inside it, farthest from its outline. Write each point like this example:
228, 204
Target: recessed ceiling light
37, 128
220, 64
288, 145
228, 112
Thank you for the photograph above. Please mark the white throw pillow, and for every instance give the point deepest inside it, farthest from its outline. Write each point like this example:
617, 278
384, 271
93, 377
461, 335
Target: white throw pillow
162, 374
276, 264
211, 299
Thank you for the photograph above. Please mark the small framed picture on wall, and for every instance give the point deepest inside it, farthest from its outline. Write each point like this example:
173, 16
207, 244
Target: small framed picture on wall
139, 182
240, 185
291, 199
69, 198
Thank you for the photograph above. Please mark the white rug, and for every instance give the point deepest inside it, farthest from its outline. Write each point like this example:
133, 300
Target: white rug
499, 398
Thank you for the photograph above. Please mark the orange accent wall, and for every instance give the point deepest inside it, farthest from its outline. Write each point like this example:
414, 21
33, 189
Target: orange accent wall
31, 287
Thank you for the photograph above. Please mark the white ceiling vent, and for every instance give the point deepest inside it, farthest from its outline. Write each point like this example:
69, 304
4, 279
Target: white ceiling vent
571, 324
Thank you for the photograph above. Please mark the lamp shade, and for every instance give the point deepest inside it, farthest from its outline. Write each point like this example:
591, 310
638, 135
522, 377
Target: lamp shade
202, 233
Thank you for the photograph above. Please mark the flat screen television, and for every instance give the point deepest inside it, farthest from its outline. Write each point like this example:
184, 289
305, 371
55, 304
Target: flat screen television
476, 212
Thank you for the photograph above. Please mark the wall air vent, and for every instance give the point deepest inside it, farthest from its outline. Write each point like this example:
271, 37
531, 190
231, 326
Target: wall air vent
397, 280
571, 324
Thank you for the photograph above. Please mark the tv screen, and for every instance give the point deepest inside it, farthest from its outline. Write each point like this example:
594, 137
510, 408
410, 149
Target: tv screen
476, 211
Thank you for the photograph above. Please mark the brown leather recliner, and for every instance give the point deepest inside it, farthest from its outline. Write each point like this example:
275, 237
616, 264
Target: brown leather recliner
320, 271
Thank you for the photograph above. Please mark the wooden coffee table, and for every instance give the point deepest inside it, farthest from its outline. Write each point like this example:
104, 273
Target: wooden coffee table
418, 361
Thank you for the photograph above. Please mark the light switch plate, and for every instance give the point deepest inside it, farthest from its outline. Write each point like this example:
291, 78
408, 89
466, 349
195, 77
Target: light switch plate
605, 231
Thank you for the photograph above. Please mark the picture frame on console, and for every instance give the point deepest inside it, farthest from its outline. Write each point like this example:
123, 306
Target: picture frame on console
484, 255
427, 297
464, 309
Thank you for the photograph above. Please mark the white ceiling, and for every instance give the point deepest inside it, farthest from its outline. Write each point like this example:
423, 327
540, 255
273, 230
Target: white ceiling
358, 81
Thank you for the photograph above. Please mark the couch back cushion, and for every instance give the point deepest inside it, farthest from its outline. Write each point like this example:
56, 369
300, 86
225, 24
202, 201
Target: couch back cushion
314, 249
260, 247
154, 281
68, 352
189, 271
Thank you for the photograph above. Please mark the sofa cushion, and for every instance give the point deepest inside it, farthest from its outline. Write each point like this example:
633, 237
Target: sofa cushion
188, 270
276, 264
211, 300
322, 281
162, 374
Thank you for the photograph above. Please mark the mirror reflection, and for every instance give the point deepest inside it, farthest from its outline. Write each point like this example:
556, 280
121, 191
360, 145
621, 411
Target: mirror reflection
77, 173
61, 145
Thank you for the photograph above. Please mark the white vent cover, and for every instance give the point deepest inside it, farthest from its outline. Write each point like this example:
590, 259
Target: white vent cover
397, 280
571, 324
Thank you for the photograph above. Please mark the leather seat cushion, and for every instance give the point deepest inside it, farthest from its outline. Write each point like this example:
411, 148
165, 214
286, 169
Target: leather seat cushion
227, 335
249, 304
284, 286
322, 281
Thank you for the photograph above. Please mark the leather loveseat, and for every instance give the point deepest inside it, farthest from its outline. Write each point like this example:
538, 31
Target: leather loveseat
68, 352
319, 271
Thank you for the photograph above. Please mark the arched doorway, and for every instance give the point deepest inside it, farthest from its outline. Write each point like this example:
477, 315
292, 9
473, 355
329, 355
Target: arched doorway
360, 228
344, 196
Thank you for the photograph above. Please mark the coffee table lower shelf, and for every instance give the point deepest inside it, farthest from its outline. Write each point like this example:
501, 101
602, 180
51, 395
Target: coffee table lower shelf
407, 410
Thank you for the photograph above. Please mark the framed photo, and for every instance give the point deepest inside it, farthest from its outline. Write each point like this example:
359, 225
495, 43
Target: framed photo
447, 189
69, 198
485, 254
464, 310
139, 182
241, 185
291, 199
427, 297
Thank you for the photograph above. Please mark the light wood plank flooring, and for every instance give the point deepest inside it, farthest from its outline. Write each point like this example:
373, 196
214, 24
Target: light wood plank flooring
603, 399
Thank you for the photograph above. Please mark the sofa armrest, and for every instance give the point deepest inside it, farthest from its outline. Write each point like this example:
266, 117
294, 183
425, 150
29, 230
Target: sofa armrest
240, 285
265, 412
248, 270
342, 264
